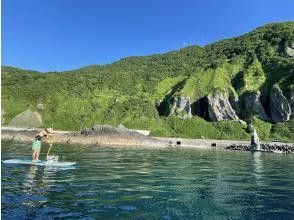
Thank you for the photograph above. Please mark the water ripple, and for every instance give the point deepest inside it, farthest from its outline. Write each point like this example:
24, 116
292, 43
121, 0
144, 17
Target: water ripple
134, 183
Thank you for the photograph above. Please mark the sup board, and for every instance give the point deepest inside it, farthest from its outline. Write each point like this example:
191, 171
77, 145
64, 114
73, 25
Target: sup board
40, 163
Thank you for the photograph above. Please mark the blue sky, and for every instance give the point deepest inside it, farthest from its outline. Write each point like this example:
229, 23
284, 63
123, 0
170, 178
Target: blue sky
56, 35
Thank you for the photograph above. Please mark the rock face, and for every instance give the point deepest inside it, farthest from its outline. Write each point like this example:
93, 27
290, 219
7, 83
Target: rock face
235, 103
108, 130
254, 141
219, 108
181, 107
290, 50
253, 106
279, 106
291, 101
254, 145
26, 119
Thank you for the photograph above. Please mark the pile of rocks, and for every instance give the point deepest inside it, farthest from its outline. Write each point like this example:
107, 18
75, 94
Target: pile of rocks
280, 148
238, 147
267, 147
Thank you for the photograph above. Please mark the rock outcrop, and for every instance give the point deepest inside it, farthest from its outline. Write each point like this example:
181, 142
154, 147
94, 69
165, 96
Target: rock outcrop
291, 101
27, 119
254, 145
219, 108
40, 107
235, 103
279, 106
290, 50
252, 106
181, 107
108, 130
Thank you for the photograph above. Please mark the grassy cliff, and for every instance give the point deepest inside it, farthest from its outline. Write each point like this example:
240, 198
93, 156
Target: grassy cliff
130, 90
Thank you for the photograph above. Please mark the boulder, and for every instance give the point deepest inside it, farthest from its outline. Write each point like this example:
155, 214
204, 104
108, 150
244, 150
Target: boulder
219, 108
254, 145
252, 106
279, 106
290, 50
40, 106
181, 107
27, 119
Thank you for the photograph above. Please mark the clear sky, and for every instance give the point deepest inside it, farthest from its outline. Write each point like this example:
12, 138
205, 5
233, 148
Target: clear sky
55, 35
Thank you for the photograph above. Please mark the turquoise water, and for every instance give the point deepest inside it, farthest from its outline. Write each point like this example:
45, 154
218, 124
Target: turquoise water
133, 183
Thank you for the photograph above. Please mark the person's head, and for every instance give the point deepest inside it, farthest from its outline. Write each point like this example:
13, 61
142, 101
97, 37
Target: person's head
38, 138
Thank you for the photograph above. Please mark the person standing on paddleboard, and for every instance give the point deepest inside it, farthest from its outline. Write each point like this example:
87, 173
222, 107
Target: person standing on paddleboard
37, 142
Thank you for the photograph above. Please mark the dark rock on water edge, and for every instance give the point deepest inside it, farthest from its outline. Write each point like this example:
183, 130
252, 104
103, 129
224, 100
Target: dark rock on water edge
265, 147
119, 131
255, 145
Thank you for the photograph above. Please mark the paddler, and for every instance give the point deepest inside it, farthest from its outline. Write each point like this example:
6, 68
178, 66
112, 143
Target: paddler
46, 133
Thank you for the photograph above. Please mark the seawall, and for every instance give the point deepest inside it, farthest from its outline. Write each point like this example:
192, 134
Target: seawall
125, 138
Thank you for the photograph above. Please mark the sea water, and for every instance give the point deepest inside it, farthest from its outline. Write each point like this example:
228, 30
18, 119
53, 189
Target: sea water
148, 183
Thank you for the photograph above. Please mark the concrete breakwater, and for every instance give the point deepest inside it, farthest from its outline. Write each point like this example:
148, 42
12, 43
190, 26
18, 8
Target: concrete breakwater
111, 136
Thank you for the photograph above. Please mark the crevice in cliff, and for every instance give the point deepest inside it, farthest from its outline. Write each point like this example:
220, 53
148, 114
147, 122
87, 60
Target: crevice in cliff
200, 108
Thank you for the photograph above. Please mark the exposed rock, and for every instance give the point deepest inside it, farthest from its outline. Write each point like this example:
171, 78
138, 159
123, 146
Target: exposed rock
290, 50
40, 106
242, 122
291, 101
121, 132
219, 108
235, 103
266, 147
252, 106
254, 145
27, 119
254, 141
121, 126
279, 106
181, 107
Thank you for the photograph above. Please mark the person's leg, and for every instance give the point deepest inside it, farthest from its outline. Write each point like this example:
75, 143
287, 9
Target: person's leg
37, 154
34, 154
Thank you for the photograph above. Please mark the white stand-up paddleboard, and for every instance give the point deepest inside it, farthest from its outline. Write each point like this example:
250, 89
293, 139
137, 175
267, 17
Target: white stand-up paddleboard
40, 163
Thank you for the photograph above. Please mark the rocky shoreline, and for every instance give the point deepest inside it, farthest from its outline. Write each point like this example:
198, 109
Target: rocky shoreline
287, 148
111, 136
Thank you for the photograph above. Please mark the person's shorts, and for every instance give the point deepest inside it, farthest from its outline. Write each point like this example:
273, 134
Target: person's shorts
36, 145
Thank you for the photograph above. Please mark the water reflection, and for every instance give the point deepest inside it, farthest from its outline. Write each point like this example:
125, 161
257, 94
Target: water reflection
126, 183
258, 167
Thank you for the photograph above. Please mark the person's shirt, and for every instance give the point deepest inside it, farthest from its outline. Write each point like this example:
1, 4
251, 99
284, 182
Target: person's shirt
42, 134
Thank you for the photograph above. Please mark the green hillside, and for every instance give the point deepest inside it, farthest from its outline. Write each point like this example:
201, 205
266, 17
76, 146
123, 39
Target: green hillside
138, 91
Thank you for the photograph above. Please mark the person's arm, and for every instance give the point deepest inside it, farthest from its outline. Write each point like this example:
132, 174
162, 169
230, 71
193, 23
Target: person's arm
50, 139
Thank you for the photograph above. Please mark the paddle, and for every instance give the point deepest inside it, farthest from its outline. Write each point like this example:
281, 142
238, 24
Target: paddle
51, 144
49, 150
